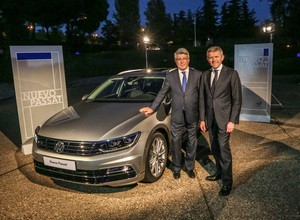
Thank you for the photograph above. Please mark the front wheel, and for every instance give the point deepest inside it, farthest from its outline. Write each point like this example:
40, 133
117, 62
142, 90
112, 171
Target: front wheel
156, 160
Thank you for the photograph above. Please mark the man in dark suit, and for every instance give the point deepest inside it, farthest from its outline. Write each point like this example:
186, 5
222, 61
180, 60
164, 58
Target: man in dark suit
184, 84
220, 102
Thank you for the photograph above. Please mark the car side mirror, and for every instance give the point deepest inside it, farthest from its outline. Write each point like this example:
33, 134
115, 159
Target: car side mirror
84, 97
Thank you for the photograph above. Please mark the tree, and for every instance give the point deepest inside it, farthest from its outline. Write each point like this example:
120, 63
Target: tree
159, 23
84, 17
236, 20
248, 20
80, 16
110, 32
13, 21
231, 19
183, 28
209, 20
128, 20
285, 14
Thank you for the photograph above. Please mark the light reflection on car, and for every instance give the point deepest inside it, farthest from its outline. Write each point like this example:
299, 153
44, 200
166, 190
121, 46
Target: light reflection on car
104, 139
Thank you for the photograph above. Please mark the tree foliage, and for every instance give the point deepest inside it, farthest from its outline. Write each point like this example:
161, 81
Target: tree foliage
159, 23
110, 32
285, 14
128, 20
208, 20
183, 31
81, 16
236, 20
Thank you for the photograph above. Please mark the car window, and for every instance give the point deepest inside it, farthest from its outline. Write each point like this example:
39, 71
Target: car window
138, 88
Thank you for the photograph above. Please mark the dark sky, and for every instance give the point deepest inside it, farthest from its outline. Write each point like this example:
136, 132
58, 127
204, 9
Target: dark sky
175, 6
261, 7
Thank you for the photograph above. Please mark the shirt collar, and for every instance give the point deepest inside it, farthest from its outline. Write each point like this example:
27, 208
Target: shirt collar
219, 68
186, 70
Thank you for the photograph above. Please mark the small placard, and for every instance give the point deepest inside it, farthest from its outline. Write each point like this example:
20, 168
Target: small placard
59, 163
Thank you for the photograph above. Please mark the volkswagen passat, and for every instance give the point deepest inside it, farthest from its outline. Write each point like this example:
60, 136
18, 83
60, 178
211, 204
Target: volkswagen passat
104, 139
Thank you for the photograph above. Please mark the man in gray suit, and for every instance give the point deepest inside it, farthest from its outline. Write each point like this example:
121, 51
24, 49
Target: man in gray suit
184, 84
220, 102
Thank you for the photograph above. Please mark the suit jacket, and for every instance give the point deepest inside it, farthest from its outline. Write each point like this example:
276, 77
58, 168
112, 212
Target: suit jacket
225, 103
189, 100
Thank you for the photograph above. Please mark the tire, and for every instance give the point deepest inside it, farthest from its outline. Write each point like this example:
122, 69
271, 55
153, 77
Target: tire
156, 158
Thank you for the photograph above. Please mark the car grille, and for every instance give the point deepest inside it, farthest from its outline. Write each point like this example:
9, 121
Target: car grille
70, 147
83, 176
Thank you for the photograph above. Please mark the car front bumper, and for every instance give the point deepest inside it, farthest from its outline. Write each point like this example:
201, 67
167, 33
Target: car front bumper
113, 169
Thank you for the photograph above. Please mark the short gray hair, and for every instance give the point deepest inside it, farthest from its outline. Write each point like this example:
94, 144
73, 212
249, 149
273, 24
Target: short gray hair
214, 49
181, 51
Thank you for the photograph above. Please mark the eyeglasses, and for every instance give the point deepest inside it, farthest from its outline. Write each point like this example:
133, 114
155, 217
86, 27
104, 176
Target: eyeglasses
180, 59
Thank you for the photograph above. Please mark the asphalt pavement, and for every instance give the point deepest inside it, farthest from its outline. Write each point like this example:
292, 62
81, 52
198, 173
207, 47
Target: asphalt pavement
266, 173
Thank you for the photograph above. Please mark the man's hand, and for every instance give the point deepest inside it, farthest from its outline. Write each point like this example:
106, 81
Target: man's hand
202, 126
148, 111
230, 127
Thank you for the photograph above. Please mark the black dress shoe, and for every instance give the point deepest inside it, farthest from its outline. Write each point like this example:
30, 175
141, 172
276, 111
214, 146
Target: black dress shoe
214, 177
225, 191
176, 175
191, 174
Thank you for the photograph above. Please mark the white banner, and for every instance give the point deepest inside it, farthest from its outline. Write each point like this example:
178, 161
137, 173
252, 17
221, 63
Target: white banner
254, 64
40, 87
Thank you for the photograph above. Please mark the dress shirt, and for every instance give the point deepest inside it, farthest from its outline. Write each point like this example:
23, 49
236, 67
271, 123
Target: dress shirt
181, 76
213, 74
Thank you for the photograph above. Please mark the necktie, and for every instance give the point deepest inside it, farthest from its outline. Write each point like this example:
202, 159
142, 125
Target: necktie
183, 81
213, 85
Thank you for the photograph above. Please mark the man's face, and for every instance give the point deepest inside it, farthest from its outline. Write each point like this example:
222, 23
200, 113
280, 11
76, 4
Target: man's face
182, 61
215, 59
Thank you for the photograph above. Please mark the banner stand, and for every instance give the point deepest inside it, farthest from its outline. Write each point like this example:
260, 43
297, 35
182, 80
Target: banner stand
27, 146
40, 87
254, 64
278, 102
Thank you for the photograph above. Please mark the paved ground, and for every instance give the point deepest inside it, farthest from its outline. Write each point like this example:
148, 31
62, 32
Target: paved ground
266, 162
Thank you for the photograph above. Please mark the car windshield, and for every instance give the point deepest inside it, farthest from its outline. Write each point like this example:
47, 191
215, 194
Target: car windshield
127, 89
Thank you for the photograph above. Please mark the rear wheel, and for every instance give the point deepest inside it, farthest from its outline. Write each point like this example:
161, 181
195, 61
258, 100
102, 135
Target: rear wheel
156, 160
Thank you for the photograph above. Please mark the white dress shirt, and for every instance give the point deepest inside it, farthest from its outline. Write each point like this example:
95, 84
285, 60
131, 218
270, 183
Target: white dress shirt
181, 75
213, 73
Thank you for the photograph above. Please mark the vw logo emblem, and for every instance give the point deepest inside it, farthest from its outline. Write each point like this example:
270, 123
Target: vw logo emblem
59, 147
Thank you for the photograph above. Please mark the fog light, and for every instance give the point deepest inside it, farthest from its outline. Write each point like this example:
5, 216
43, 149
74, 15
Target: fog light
123, 169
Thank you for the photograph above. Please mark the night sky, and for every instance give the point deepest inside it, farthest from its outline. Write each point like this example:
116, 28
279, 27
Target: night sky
261, 7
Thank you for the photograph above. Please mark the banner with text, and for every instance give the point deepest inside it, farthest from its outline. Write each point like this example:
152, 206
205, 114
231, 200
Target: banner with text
254, 63
40, 87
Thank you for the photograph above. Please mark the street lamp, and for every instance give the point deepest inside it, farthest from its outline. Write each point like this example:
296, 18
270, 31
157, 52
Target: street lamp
146, 41
269, 28
195, 27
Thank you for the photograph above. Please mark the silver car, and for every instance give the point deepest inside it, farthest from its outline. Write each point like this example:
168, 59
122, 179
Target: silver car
104, 139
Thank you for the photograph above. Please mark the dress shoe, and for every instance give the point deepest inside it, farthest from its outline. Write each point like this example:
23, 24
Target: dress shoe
225, 191
176, 175
214, 177
191, 174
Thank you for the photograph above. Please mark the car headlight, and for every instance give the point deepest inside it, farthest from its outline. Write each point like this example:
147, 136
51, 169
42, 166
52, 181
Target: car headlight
117, 144
36, 134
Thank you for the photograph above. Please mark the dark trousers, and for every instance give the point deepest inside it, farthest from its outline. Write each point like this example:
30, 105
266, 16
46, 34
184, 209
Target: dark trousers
177, 130
219, 141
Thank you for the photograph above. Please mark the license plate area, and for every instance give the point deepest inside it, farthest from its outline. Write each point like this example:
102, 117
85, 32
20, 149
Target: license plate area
59, 163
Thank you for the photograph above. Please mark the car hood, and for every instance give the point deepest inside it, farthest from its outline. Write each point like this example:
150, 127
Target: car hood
93, 121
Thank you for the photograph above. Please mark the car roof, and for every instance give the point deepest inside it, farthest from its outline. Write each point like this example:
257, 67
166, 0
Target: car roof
143, 72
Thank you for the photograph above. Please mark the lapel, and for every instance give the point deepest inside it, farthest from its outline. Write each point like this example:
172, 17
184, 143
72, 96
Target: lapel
190, 79
221, 78
177, 79
209, 80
